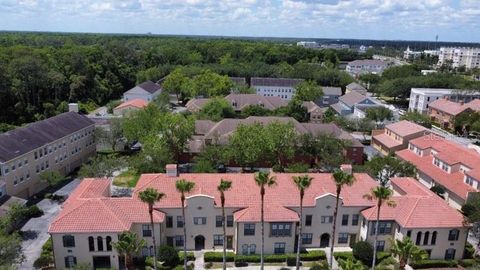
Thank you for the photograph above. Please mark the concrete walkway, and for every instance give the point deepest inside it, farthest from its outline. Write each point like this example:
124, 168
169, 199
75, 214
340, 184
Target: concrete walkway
327, 253
35, 231
199, 260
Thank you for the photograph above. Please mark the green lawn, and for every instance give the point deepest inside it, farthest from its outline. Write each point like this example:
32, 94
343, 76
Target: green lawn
127, 179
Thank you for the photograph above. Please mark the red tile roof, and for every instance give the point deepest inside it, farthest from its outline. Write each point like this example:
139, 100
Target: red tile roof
272, 213
386, 140
417, 207
137, 103
454, 108
405, 128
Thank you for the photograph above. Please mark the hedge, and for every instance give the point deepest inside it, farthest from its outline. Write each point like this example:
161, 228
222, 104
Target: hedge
314, 255
382, 255
190, 256
468, 262
218, 256
433, 264
344, 255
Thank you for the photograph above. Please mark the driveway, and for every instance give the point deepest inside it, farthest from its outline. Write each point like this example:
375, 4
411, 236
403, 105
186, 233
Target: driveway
35, 231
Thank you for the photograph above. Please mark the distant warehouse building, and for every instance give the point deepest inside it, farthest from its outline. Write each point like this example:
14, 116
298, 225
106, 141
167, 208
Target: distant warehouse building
60, 143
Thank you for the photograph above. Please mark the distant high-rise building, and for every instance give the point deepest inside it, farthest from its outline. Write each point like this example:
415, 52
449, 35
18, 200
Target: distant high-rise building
462, 56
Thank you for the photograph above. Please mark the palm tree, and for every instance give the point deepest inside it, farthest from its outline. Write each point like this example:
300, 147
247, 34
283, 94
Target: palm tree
263, 179
406, 250
341, 179
302, 182
183, 186
150, 196
382, 195
350, 264
128, 245
222, 187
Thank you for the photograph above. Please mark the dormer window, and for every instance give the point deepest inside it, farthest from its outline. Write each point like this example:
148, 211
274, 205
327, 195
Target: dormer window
234, 103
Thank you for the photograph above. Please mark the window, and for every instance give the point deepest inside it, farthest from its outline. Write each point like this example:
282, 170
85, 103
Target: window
218, 221
249, 229
279, 248
145, 251
383, 228
218, 240
245, 249
409, 234
380, 245
307, 238
178, 240
355, 219
179, 222
252, 248
434, 238
199, 220
170, 241
91, 243
343, 238
450, 254
109, 243
35, 155
100, 243
230, 221
169, 221
344, 220
146, 230
326, 219
280, 229
70, 261
308, 220
425, 238
68, 241
419, 238
453, 235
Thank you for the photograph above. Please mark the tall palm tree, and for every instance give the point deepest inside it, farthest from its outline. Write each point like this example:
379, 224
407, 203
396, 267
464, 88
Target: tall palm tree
350, 264
150, 196
383, 196
341, 179
183, 186
222, 187
263, 179
128, 245
302, 182
406, 250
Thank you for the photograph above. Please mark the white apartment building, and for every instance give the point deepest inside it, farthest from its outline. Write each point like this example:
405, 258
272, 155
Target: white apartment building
80, 237
420, 98
462, 56
60, 143
359, 67
308, 44
275, 87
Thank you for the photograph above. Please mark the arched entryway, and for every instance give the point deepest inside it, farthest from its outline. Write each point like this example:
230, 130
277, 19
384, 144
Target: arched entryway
324, 240
199, 242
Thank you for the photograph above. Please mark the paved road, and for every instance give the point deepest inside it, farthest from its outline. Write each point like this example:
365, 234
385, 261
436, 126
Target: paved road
36, 229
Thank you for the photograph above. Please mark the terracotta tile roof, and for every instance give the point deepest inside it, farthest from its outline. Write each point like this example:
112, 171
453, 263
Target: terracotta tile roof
386, 140
137, 103
454, 108
405, 128
418, 207
272, 213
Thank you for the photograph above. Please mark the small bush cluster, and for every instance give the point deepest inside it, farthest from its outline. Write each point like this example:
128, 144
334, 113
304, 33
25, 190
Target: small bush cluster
34, 211
323, 265
423, 264
46, 257
315, 255
218, 256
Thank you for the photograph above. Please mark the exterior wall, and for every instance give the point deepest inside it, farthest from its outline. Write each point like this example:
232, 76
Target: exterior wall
363, 69
355, 154
26, 176
269, 239
145, 96
419, 100
443, 119
468, 57
452, 199
327, 100
125, 110
286, 93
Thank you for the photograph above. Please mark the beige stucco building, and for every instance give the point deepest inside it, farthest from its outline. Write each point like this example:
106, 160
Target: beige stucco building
395, 137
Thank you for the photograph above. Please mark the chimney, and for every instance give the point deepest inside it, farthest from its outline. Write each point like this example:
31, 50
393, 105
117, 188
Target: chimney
73, 107
346, 168
171, 170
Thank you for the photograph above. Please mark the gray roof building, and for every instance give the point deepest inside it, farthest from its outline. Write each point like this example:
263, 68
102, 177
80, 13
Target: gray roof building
280, 82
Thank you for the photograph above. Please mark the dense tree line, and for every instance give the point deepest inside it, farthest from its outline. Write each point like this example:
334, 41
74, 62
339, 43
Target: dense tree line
41, 72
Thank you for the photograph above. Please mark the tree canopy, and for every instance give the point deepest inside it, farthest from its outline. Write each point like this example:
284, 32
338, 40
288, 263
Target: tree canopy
307, 91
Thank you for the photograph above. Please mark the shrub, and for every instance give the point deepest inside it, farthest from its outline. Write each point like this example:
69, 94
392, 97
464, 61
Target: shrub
240, 263
190, 256
467, 262
180, 267
382, 255
43, 261
469, 251
292, 261
323, 265
314, 255
209, 265
344, 255
218, 256
363, 251
433, 264
33, 211
168, 255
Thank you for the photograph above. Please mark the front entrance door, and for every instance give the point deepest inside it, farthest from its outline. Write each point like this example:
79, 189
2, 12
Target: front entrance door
324, 240
353, 239
199, 242
229, 241
101, 262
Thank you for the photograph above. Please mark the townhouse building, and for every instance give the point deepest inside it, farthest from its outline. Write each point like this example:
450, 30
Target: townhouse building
239, 102
130, 106
443, 111
395, 136
359, 67
460, 56
80, 237
275, 87
355, 87
354, 104
147, 91
330, 96
420, 98
446, 164
61, 143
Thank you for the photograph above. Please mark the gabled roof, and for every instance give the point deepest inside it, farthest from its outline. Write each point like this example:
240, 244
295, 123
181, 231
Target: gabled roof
356, 87
405, 128
331, 91
352, 98
22, 140
243, 100
147, 86
454, 108
311, 106
281, 82
137, 103
367, 62
416, 207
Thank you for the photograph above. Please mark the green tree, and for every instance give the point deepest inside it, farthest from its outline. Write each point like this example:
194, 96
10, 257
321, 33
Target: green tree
382, 195
471, 209
10, 250
210, 84
168, 255
401, 72
293, 109
128, 245
329, 116
250, 144
307, 91
102, 166
281, 142
406, 250
183, 186
176, 130
384, 168
51, 177
224, 186
418, 118
217, 109
341, 179
379, 114
111, 135
254, 110
176, 83
263, 180
326, 150
350, 264
302, 182
150, 196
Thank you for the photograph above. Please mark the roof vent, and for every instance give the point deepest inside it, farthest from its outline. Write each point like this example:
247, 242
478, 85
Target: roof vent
172, 170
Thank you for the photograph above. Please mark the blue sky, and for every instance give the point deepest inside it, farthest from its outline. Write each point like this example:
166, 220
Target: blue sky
452, 20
